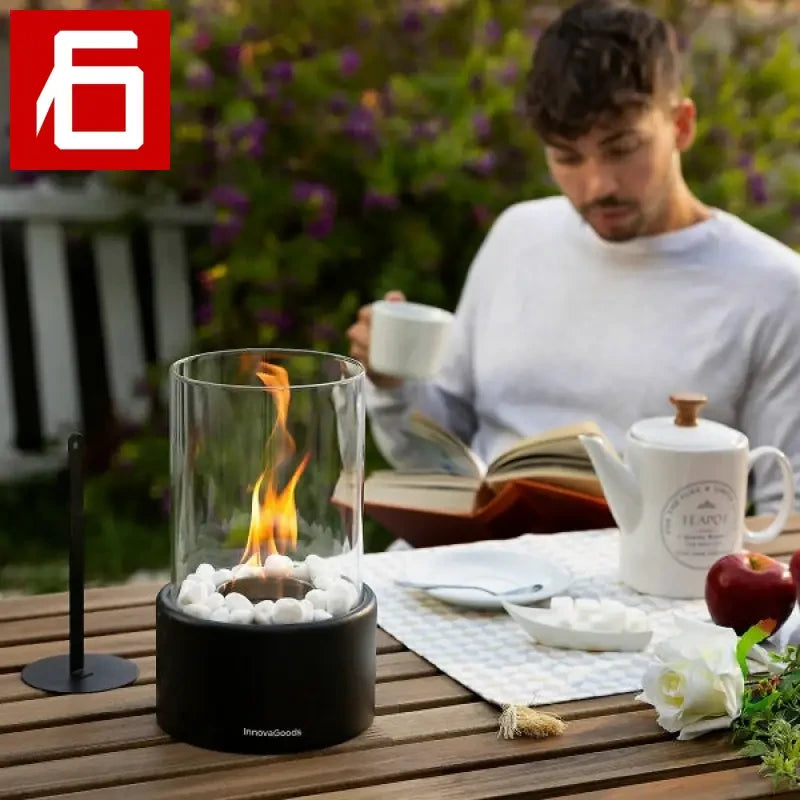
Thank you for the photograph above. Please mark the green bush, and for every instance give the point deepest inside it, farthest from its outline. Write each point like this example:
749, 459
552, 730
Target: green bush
354, 146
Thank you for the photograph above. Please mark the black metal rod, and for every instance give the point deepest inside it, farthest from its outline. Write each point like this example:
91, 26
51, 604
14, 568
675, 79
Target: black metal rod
76, 555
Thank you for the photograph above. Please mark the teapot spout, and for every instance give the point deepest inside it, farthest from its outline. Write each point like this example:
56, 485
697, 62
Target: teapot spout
619, 483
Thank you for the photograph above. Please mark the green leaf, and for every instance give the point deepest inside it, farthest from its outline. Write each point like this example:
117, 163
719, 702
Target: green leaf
749, 639
240, 110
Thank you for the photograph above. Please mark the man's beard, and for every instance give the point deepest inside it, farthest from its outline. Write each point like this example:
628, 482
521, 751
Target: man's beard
630, 226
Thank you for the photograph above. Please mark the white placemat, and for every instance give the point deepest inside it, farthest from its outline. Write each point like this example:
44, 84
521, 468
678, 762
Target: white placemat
490, 654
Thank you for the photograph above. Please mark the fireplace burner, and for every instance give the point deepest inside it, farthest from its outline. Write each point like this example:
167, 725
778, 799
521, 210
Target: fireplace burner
265, 636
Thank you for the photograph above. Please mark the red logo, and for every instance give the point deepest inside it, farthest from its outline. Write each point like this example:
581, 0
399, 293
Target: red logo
89, 90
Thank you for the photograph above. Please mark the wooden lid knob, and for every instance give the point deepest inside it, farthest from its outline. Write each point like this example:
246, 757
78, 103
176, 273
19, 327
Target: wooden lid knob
688, 405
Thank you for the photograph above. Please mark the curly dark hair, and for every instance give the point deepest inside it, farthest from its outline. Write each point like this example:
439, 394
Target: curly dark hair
598, 59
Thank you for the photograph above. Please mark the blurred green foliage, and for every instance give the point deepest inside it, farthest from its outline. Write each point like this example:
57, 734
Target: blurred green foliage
354, 146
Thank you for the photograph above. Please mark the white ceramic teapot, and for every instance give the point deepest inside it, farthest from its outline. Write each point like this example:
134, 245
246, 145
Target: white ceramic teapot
679, 497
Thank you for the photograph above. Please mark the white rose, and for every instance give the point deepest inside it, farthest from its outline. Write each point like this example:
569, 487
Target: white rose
697, 685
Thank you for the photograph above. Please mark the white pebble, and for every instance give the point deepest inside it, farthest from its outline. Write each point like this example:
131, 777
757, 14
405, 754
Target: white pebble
318, 567
220, 614
287, 610
192, 592
341, 598
277, 566
245, 571
214, 601
308, 610
197, 610
221, 576
320, 615
235, 601
301, 572
263, 612
205, 571
324, 580
341, 585
318, 598
244, 616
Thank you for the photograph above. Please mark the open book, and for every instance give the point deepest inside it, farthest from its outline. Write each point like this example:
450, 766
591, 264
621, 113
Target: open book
545, 481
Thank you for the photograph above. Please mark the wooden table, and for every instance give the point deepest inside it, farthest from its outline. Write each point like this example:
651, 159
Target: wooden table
432, 739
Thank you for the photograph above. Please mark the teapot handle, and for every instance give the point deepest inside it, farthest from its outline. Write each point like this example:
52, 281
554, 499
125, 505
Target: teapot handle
787, 501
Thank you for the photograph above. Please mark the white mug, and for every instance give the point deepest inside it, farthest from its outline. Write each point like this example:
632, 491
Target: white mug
408, 340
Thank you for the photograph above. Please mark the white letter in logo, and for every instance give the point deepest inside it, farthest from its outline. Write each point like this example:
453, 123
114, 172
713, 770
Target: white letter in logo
57, 92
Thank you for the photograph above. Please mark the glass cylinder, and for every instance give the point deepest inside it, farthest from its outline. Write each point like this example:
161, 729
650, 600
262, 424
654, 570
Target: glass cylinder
267, 464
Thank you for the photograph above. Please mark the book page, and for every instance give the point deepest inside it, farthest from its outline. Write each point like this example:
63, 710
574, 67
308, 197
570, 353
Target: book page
556, 448
436, 450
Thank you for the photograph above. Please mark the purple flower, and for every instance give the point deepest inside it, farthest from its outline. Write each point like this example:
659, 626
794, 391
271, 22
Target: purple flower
428, 129
225, 230
509, 73
282, 71
204, 314
338, 104
321, 227
324, 331
492, 32
360, 124
199, 75
744, 161
349, 62
374, 199
230, 197
757, 188
249, 137
282, 320
201, 41
250, 32
412, 21
482, 125
484, 164
233, 53
317, 195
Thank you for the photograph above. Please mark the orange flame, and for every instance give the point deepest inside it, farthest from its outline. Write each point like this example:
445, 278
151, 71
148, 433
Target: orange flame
273, 517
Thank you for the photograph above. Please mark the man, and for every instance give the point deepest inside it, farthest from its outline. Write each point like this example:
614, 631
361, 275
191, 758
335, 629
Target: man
600, 303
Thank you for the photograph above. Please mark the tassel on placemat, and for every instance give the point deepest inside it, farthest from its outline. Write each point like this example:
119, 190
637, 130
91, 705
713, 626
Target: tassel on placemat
517, 720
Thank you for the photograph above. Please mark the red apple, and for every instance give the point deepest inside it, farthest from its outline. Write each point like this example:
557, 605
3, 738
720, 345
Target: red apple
744, 588
794, 568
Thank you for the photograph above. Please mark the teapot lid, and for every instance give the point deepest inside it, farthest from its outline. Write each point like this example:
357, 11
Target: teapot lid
685, 431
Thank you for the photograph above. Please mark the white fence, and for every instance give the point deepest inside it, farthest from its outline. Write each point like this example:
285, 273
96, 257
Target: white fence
43, 210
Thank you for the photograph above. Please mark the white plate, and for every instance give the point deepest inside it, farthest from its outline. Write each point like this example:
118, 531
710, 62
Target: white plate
497, 570
534, 622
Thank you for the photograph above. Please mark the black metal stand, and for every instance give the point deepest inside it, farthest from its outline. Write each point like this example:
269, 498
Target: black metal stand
77, 672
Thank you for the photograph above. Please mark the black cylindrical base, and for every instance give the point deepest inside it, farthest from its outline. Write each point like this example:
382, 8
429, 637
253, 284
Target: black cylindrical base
264, 688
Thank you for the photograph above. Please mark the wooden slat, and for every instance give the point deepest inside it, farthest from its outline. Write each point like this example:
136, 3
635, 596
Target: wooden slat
229, 775
171, 294
7, 415
390, 667
390, 698
122, 326
62, 741
53, 335
553, 777
47, 637
732, 784
96, 623
99, 598
139, 643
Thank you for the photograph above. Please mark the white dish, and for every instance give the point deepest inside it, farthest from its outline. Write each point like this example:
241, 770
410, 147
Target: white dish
496, 570
534, 622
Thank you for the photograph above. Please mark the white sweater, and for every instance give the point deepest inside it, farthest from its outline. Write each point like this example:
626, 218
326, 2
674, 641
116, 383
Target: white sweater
556, 325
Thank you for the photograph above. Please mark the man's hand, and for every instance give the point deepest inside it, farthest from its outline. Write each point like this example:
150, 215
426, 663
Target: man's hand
358, 334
